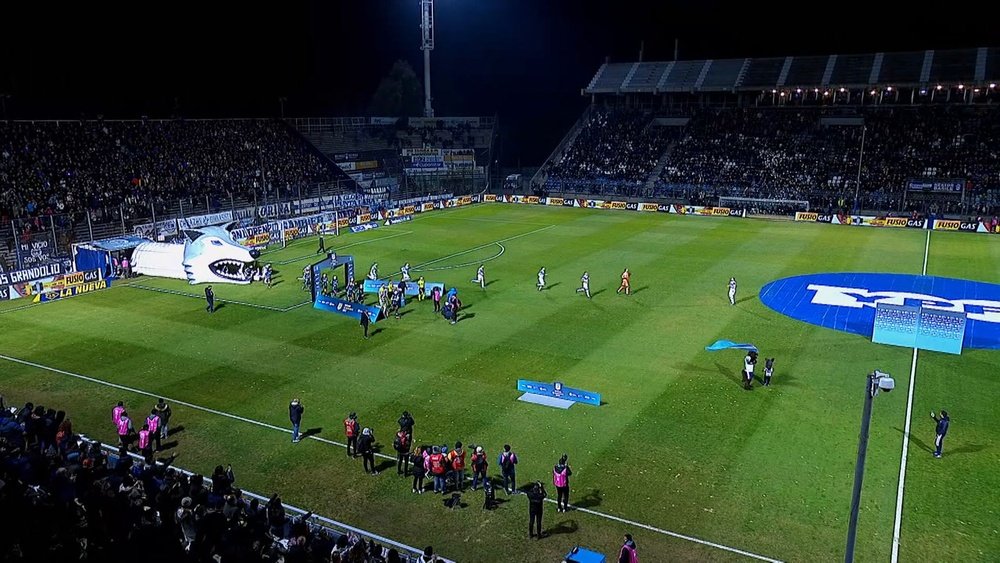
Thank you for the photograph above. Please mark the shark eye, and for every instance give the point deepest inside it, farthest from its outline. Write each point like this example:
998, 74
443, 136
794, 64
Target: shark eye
217, 243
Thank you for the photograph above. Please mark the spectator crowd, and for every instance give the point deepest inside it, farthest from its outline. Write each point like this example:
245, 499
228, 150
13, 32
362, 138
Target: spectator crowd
68, 499
792, 153
56, 167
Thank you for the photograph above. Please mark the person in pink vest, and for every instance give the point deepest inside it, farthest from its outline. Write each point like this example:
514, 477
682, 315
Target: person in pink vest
116, 412
560, 479
145, 447
153, 422
627, 553
124, 426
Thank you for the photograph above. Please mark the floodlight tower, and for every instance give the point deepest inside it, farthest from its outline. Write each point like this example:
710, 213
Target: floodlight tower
427, 45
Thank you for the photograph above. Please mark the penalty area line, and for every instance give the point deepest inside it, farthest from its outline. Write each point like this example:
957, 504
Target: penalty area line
381, 455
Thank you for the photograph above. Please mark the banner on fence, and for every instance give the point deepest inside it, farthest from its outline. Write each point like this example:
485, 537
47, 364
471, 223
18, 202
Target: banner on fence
204, 220
36, 250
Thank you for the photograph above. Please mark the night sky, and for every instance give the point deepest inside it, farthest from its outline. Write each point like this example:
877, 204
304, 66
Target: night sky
523, 60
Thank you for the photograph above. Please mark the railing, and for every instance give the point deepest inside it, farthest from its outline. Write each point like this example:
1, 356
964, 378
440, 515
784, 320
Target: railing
411, 554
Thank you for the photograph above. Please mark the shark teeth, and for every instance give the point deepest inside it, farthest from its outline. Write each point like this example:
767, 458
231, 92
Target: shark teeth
229, 269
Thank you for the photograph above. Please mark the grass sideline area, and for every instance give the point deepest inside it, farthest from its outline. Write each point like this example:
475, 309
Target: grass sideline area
678, 446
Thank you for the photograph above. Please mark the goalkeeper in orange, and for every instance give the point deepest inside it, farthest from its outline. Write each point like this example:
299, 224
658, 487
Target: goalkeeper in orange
626, 277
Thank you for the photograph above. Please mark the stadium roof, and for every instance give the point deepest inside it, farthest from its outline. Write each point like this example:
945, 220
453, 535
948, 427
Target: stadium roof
913, 69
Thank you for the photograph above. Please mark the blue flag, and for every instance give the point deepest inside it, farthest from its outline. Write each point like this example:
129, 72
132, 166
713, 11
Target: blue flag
728, 344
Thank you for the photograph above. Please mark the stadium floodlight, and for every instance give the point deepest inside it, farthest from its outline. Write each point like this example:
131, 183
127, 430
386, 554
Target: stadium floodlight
427, 45
842, 89
961, 86
873, 92
888, 88
875, 382
993, 84
774, 91
939, 86
798, 90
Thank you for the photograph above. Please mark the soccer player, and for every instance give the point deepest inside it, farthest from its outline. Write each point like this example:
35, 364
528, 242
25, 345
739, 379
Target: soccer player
585, 285
732, 291
405, 270
421, 295
306, 277
626, 278
481, 276
268, 273
373, 273
210, 299
383, 296
768, 371
541, 279
942, 428
748, 363
324, 282
334, 286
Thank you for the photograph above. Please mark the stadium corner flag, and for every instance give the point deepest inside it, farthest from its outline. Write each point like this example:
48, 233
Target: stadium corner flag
729, 344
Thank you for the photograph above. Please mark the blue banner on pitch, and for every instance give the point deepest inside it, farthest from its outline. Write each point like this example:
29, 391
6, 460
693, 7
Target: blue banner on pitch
559, 391
372, 286
728, 345
351, 309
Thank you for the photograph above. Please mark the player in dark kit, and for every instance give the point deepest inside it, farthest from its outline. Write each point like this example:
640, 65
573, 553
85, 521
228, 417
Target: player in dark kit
210, 299
940, 431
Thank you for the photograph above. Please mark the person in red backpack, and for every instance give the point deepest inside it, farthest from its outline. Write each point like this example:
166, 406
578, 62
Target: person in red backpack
560, 479
627, 553
437, 465
401, 443
479, 465
351, 430
153, 422
456, 458
145, 445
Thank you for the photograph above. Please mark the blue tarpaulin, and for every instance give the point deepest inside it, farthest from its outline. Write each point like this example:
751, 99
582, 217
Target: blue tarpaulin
729, 344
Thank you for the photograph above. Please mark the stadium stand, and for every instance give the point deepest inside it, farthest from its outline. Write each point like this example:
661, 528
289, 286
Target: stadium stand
383, 142
73, 499
792, 128
52, 167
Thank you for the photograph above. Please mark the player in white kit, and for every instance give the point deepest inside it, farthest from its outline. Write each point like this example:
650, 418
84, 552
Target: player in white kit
732, 291
405, 270
584, 285
373, 273
481, 276
541, 279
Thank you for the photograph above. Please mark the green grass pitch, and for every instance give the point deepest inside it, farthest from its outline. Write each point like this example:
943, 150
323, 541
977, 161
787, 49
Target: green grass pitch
679, 445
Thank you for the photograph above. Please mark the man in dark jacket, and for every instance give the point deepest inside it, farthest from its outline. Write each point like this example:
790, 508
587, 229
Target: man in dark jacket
406, 423
365, 321
295, 410
209, 299
536, 499
366, 447
942, 428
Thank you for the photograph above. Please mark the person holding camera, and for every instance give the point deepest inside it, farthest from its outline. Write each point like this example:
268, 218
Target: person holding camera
942, 428
536, 501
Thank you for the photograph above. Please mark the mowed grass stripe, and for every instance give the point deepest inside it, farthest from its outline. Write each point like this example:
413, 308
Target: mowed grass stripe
667, 399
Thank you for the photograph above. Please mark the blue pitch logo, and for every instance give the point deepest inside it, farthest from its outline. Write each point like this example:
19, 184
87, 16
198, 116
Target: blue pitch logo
847, 301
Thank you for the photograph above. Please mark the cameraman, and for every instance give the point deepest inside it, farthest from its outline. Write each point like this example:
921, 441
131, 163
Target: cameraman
536, 500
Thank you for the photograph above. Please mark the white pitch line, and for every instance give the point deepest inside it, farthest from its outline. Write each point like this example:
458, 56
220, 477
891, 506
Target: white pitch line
480, 247
353, 244
381, 455
457, 266
898, 520
244, 303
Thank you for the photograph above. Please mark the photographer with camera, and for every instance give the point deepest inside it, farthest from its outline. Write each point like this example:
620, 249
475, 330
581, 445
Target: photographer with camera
536, 501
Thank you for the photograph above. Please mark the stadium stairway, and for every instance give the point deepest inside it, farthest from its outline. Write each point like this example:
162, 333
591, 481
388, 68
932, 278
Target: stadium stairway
654, 174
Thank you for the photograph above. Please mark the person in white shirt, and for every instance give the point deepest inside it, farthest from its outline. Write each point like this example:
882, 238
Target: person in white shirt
373, 273
748, 362
541, 279
405, 270
584, 285
732, 291
481, 276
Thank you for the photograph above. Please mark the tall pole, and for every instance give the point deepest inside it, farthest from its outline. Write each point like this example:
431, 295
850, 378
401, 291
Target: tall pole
859, 467
427, 45
861, 157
